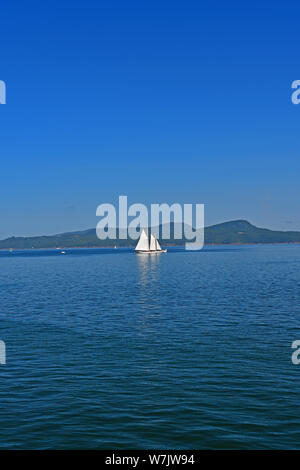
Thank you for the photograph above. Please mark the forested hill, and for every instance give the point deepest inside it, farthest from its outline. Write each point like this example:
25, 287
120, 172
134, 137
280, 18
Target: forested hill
236, 231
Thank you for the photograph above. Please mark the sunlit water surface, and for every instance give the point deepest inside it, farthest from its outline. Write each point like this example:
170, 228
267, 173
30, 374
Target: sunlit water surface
108, 349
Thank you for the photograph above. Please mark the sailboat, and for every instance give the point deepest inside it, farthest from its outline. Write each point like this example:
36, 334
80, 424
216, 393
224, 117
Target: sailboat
146, 246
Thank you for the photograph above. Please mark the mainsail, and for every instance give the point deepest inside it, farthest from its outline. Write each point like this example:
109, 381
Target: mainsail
153, 243
143, 243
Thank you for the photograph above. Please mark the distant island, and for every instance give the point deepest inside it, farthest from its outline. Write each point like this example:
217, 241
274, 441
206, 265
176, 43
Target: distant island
233, 232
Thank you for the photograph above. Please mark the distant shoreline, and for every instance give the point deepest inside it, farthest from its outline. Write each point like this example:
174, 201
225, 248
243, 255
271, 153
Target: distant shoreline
235, 232
130, 246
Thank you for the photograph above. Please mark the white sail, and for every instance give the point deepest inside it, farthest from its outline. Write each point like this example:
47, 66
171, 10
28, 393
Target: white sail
158, 247
153, 243
143, 243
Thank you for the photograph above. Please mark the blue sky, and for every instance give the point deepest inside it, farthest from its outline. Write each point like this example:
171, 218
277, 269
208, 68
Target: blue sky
162, 101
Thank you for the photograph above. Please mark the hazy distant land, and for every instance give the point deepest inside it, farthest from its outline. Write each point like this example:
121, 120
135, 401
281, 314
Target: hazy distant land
233, 232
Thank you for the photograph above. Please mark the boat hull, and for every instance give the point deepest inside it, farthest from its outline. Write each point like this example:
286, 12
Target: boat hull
150, 252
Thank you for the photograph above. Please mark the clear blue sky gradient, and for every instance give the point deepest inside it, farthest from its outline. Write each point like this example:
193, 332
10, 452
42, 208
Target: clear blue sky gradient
163, 101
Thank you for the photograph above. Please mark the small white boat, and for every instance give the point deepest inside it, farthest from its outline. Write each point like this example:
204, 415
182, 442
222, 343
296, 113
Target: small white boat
148, 247
63, 252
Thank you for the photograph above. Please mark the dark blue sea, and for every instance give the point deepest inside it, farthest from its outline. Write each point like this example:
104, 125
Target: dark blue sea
106, 349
